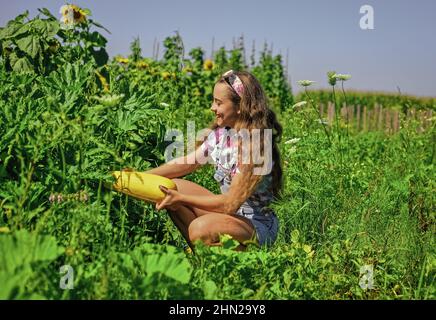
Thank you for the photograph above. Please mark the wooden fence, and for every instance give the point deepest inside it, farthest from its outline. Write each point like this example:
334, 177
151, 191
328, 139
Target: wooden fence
363, 118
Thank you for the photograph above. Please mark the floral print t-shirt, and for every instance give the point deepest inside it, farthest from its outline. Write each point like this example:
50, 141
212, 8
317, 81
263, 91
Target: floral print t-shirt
220, 146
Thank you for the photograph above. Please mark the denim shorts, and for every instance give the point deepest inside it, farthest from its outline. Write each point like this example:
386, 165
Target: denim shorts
265, 222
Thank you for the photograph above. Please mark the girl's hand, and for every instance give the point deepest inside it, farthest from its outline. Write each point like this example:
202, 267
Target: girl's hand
171, 201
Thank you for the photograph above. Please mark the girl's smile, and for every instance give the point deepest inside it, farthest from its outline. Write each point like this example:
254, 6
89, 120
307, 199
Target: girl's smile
225, 111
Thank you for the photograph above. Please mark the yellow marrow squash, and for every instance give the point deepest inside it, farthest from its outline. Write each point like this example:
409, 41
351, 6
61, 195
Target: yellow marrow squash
144, 186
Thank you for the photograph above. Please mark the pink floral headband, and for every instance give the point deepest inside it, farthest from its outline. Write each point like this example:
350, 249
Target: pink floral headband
234, 81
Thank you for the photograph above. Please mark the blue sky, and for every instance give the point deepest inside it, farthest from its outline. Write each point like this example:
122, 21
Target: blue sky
321, 35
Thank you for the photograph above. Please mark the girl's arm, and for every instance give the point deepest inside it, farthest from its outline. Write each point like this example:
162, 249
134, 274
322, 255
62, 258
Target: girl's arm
179, 167
222, 203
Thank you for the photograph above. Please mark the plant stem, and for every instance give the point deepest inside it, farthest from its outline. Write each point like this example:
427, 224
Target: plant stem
319, 116
346, 108
337, 124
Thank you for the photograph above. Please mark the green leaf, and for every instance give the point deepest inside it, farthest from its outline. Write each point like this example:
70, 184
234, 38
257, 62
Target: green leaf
52, 28
29, 45
87, 11
101, 57
20, 64
23, 30
24, 247
47, 13
96, 39
21, 17
18, 254
46, 28
210, 289
10, 30
98, 25
295, 234
172, 264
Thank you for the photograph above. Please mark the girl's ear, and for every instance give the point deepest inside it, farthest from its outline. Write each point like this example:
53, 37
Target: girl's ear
238, 110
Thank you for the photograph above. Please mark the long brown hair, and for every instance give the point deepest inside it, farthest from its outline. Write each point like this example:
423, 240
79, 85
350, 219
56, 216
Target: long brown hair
255, 113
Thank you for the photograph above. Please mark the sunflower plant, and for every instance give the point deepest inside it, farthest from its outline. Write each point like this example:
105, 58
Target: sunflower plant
81, 42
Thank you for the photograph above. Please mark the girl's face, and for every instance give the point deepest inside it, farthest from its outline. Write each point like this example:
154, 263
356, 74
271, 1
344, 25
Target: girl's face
226, 112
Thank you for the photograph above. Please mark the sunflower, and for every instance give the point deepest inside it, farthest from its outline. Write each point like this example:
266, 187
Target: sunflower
208, 64
72, 15
187, 70
166, 75
122, 60
142, 65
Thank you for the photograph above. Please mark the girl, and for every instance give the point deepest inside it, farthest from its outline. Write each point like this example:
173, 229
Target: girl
241, 210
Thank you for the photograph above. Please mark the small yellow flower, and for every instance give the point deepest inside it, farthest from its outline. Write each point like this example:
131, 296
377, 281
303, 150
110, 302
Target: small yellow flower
187, 69
208, 64
197, 92
166, 75
69, 251
4, 230
142, 65
122, 60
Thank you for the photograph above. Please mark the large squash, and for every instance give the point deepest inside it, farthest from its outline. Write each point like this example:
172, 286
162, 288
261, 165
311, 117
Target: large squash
141, 185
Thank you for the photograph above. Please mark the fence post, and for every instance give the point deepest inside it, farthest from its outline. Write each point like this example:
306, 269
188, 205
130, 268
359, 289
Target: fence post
388, 121
358, 118
374, 120
396, 121
330, 113
350, 114
380, 119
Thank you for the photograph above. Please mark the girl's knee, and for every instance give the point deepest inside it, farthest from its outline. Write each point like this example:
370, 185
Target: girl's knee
201, 229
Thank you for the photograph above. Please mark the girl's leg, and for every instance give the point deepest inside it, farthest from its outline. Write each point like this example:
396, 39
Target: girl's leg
182, 216
198, 224
208, 228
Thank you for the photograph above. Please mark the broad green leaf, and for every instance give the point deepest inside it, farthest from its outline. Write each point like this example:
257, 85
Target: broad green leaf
52, 28
23, 248
101, 57
96, 39
20, 64
170, 263
18, 253
46, 28
29, 45
23, 30
10, 30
